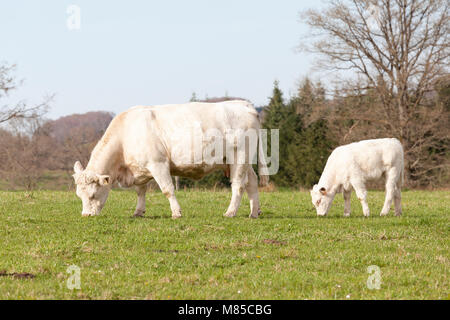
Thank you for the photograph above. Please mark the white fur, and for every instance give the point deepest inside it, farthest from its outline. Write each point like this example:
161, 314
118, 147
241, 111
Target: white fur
155, 142
350, 166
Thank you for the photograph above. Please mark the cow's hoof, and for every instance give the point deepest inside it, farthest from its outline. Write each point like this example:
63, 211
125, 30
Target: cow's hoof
382, 214
398, 214
346, 214
229, 214
139, 213
253, 216
176, 215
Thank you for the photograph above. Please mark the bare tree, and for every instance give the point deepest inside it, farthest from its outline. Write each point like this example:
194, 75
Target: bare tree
19, 109
27, 151
398, 49
36, 151
25, 148
76, 136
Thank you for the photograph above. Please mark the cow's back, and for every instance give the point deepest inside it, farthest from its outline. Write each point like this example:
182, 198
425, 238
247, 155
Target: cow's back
228, 114
152, 133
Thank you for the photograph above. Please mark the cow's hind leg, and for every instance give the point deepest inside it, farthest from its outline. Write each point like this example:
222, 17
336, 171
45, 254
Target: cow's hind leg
140, 207
161, 174
238, 175
252, 191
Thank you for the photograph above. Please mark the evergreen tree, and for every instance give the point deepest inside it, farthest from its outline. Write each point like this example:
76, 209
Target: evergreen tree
315, 146
292, 137
305, 97
307, 148
280, 116
314, 152
275, 111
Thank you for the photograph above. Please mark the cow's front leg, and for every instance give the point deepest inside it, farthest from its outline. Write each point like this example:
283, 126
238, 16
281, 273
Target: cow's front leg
140, 207
347, 197
238, 174
161, 174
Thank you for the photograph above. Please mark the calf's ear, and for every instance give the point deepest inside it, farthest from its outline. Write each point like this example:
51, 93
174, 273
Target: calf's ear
323, 191
103, 180
77, 167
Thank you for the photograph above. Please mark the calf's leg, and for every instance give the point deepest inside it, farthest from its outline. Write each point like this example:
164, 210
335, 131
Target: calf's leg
398, 199
140, 207
252, 191
347, 196
361, 193
238, 175
161, 174
392, 177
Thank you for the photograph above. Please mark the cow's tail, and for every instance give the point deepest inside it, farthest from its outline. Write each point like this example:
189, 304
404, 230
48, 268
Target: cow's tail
263, 171
402, 177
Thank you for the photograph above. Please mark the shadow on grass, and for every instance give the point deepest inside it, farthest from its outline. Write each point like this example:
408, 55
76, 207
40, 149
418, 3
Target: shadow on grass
272, 215
152, 217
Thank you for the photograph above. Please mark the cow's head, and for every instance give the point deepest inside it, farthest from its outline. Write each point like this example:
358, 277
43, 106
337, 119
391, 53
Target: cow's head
92, 189
321, 199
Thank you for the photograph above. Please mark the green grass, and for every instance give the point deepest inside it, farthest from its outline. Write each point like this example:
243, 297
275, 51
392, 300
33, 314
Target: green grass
206, 256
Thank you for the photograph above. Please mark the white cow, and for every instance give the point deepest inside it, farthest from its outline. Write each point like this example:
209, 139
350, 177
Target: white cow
155, 142
352, 165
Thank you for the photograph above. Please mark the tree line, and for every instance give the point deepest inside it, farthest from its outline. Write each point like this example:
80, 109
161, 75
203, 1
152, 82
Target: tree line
311, 124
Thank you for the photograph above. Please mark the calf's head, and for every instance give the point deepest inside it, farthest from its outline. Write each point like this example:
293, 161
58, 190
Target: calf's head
321, 199
92, 189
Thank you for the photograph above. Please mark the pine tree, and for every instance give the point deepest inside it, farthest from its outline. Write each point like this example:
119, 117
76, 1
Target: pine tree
275, 111
314, 152
283, 117
293, 130
305, 97
315, 144
309, 146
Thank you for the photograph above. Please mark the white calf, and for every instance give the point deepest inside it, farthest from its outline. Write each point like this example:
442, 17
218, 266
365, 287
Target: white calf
352, 165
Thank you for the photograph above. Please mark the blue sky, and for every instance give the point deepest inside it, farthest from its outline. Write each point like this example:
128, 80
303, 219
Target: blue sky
152, 52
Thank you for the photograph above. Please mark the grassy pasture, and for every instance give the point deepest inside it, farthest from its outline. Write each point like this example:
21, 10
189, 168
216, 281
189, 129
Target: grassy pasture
288, 253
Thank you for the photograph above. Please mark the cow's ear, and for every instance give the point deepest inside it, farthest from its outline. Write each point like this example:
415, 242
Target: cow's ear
77, 167
103, 180
323, 191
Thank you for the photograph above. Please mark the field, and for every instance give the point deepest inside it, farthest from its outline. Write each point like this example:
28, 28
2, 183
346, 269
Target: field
288, 253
